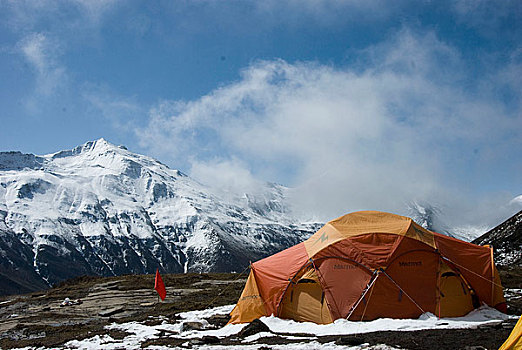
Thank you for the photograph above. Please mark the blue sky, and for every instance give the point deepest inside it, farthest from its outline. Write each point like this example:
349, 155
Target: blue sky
357, 104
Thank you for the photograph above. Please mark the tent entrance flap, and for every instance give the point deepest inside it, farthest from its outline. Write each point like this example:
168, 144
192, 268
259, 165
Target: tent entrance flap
455, 297
304, 300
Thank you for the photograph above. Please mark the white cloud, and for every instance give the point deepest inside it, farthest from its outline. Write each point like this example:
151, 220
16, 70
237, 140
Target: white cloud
42, 54
516, 201
396, 131
229, 177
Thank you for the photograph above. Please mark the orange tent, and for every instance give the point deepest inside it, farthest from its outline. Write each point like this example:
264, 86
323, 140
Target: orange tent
367, 265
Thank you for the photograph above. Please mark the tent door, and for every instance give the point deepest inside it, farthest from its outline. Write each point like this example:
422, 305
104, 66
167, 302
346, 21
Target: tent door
304, 301
455, 298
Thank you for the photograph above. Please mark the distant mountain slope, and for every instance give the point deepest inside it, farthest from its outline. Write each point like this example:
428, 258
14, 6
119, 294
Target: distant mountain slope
506, 239
99, 209
431, 217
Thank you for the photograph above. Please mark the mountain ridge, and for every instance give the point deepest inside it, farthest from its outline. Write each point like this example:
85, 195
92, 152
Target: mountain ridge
506, 239
100, 209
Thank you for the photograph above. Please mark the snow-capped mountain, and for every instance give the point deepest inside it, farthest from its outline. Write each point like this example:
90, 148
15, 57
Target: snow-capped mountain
434, 218
506, 239
100, 209
426, 215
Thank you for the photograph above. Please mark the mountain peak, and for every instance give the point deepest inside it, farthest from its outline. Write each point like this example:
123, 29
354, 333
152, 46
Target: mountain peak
101, 209
98, 146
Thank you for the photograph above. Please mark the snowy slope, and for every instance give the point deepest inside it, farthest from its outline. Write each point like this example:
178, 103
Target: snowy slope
100, 209
506, 239
431, 217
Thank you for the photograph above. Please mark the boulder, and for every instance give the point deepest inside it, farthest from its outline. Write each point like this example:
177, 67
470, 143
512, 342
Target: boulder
254, 327
191, 326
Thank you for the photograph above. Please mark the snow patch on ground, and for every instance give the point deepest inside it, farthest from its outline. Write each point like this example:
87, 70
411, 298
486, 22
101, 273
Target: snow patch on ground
140, 332
297, 346
483, 315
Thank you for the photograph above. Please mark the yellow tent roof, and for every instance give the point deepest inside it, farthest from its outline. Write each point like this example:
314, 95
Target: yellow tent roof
363, 222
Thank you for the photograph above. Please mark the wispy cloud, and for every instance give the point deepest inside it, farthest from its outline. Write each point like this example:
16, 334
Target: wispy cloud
94, 10
326, 12
395, 131
27, 15
46, 32
486, 16
42, 54
122, 112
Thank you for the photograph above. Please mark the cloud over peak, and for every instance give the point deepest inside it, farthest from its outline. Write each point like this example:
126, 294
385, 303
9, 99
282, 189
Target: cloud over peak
376, 137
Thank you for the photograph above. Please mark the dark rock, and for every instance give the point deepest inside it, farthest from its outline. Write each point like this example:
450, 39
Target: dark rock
191, 326
219, 321
196, 342
349, 340
209, 339
254, 327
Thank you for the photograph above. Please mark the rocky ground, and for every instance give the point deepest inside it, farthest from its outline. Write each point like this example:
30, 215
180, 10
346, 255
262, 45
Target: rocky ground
37, 319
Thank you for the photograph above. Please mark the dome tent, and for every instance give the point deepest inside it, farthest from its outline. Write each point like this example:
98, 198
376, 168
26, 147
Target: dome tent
366, 265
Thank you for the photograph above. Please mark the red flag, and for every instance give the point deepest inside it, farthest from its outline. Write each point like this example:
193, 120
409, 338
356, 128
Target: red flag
159, 286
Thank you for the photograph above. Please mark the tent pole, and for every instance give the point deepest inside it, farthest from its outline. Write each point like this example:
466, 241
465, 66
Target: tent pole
402, 290
321, 279
365, 291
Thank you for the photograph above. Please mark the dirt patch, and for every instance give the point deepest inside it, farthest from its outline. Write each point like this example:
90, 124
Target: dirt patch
48, 335
34, 319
